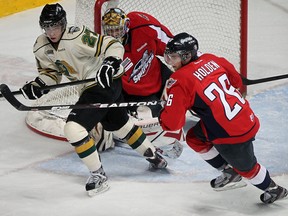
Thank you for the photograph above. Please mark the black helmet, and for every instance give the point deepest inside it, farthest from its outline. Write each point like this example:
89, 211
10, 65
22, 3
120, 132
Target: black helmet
183, 44
52, 14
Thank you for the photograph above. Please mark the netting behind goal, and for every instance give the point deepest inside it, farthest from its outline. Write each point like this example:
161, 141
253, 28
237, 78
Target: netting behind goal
220, 26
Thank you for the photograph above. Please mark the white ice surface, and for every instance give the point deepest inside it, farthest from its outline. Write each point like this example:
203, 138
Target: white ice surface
44, 177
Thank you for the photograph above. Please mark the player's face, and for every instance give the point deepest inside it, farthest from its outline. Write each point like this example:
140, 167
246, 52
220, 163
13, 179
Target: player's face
116, 32
54, 33
174, 60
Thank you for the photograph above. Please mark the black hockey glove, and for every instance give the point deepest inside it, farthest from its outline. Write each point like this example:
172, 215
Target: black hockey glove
32, 90
109, 67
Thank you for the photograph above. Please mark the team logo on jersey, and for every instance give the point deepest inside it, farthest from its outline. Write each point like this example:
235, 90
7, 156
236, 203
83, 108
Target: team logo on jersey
73, 29
50, 54
170, 82
142, 66
66, 69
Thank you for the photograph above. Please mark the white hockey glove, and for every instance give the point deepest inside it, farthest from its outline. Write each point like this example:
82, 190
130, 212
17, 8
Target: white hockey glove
32, 90
110, 66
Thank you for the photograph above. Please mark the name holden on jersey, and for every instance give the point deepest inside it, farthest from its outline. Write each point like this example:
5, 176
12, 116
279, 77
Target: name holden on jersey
205, 70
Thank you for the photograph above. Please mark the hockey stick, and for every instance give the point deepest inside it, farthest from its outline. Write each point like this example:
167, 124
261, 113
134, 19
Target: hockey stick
57, 86
125, 63
6, 92
245, 81
263, 80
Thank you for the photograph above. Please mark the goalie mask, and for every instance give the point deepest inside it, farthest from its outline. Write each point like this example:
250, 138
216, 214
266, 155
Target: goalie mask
53, 15
182, 47
115, 23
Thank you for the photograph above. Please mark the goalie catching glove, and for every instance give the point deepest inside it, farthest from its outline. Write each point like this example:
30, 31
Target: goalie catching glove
109, 67
32, 90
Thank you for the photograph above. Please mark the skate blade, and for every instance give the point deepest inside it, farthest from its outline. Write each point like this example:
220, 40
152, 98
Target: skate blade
269, 199
104, 187
231, 186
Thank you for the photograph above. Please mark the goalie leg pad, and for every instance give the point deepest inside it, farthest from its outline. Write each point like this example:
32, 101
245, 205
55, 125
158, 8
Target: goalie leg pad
103, 139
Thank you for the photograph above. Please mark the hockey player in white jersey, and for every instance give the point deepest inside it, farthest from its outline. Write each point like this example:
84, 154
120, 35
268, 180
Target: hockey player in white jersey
79, 53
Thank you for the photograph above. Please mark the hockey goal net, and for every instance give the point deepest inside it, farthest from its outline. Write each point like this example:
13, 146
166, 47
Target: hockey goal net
220, 27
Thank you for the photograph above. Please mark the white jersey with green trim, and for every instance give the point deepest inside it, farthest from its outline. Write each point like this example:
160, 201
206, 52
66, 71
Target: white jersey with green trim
78, 56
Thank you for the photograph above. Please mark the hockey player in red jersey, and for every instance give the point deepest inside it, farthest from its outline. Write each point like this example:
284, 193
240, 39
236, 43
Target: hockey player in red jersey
224, 136
144, 38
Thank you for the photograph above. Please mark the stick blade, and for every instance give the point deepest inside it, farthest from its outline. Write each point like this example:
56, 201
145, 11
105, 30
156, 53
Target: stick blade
8, 95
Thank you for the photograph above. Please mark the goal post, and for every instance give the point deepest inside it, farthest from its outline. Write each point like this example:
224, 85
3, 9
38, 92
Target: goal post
243, 42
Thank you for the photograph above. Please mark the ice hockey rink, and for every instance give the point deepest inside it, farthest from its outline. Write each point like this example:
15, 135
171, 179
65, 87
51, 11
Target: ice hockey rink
43, 177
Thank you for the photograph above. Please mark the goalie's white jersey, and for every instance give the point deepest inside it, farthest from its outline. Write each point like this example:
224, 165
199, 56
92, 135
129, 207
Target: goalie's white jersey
79, 55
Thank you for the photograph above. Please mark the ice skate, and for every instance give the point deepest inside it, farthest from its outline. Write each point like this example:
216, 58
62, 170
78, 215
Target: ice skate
97, 183
156, 162
273, 192
228, 180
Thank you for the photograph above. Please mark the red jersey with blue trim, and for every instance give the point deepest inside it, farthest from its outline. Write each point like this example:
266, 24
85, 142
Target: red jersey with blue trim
208, 86
147, 38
